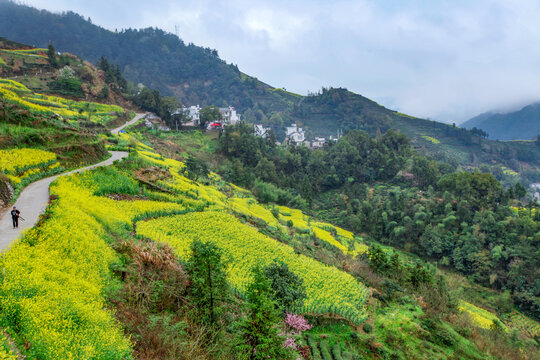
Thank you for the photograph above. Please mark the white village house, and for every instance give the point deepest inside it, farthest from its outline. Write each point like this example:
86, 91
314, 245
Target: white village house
228, 115
295, 135
318, 142
193, 112
261, 131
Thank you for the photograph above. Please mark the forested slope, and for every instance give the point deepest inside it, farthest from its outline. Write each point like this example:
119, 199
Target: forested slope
523, 124
197, 75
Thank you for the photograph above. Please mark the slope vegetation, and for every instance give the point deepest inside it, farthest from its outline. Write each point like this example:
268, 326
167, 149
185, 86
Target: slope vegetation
197, 75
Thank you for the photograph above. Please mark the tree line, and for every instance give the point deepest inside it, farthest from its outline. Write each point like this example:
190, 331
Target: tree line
382, 188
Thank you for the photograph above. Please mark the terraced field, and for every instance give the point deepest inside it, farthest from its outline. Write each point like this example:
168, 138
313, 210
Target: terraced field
523, 323
54, 106
480, 317
329, 289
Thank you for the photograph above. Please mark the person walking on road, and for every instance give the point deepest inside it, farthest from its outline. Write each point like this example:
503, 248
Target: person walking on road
15, 217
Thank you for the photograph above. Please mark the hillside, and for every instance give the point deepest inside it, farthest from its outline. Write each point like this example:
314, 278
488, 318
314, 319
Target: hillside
197, 75
523, 124
361, 250
61, 130
132, 229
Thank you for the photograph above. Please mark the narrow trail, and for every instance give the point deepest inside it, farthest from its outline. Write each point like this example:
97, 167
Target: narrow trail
130, 122
34, 199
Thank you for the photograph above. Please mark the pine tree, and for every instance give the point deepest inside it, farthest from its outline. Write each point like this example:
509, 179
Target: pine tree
51, 54
260, 332
209, 290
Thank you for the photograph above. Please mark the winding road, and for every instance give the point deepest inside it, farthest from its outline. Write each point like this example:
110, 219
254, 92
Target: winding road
34, 199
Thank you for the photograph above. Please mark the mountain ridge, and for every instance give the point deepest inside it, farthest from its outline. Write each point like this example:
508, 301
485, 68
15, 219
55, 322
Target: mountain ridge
522, 124
197, 75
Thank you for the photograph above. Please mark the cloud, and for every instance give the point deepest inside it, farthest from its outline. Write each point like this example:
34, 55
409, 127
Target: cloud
447, 60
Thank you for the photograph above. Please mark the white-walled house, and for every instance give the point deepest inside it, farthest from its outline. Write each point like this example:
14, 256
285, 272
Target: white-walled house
229, 116
261, 131
194, 114
318, 142
295, 135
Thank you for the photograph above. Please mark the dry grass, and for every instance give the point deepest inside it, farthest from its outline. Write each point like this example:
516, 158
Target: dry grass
153, 307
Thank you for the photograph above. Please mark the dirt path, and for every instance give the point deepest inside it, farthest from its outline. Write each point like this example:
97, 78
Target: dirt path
33, 200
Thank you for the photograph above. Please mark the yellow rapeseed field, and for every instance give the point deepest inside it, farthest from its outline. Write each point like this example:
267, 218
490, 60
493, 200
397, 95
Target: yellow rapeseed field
15, 161
57, 276
329, 289
480, 317
16, 93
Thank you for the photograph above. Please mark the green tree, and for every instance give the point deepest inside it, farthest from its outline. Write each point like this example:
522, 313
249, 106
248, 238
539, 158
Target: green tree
167, 105
195, 168
425, 171
178, 119
266, 170
103, 93
276, 119
208, 290
378, 259
503, 303
51, 56
209, 114
419, 274
259, 330
520, 191
289, 289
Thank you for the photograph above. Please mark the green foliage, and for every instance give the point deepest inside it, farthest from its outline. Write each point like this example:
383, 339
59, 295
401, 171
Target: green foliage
209, 114
51, 55
195, 168
378, 259
103, 93
520, 191
209, 290
70, 86
312, 342
504, 303
259, 330
480, 189
113, 74
289, 290
108, 180
368, 328
163, 106
325, 350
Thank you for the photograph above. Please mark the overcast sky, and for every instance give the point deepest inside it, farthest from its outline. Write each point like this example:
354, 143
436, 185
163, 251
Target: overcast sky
445, 60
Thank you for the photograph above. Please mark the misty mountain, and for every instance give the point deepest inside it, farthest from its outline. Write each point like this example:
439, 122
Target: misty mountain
197, 75
523, 124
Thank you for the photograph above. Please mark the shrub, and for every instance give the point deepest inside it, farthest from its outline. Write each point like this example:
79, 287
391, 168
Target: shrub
368, 328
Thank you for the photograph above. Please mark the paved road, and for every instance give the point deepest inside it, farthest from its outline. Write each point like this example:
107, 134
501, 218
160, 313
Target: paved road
33, 200
131, 122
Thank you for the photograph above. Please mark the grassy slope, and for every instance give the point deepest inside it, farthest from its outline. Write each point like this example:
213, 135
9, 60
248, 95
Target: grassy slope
401, 329
75, 142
